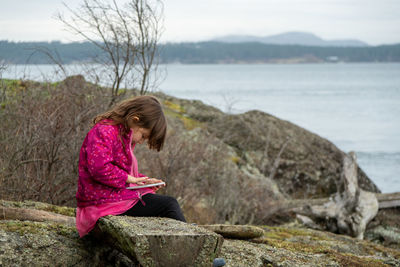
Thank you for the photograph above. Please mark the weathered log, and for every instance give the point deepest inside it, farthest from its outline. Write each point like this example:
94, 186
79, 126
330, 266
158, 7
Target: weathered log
349, 210
386, 200
22, 214
391, 200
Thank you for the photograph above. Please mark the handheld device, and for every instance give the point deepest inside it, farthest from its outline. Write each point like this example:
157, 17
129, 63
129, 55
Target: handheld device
145, 185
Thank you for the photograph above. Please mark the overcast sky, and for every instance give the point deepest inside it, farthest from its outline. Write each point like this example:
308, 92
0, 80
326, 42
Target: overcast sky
372, 21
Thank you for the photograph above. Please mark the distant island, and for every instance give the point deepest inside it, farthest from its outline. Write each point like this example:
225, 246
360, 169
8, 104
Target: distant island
292, 47
290, 38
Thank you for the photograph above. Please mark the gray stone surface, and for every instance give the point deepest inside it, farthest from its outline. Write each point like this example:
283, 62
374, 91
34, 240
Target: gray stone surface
160, 241
51, 244
289, 246
45, 244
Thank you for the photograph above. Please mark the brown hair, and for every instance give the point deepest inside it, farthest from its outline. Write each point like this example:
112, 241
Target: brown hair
147, 109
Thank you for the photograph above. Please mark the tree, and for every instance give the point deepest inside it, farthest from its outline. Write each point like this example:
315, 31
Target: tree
127, 37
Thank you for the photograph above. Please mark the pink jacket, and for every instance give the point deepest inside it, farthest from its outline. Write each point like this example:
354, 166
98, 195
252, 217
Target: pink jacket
104, 165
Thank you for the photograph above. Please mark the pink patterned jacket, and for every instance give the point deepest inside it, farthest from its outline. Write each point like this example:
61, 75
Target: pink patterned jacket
104, 165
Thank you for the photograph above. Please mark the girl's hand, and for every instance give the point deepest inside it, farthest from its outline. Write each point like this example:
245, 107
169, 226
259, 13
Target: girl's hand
137, 180
153, 181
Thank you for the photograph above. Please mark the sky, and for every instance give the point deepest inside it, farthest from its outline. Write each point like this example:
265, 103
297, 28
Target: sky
375, 22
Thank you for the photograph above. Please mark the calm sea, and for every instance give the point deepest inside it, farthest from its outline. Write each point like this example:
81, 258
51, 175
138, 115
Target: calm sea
355, 106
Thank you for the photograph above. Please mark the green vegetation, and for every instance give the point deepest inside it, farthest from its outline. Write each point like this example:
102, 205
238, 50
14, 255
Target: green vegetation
29, 227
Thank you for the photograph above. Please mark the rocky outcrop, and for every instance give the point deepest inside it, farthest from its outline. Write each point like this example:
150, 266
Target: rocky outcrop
292, 245
27, 243
124, 240
164, 242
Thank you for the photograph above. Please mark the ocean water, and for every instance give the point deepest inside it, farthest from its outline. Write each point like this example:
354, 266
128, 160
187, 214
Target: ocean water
355, 106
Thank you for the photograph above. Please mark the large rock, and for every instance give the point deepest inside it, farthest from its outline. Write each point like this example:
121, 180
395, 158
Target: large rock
302, 163
160, 241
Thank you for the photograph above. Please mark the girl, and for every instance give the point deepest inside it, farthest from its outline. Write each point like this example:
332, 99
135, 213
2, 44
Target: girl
107, 165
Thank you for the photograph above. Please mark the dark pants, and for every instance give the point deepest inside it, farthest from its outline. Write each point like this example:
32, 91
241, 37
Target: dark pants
157, 206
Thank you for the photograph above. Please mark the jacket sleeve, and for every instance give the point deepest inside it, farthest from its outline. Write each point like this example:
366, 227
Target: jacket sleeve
100, 158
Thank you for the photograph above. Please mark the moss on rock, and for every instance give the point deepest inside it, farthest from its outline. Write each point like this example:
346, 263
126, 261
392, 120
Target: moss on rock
67, 211
294, 246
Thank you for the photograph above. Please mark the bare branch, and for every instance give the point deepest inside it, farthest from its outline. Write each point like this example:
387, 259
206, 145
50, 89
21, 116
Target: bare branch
128, 38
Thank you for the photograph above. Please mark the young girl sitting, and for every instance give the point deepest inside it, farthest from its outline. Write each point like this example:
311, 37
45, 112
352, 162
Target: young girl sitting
107, 165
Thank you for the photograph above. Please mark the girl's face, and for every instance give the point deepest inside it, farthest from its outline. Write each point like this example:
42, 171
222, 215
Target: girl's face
140, 135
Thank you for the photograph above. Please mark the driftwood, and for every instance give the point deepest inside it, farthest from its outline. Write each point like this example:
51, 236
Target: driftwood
22, 214
385, 200
348, 211
391, 200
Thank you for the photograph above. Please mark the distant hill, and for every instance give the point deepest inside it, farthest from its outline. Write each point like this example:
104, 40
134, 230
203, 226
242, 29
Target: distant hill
255, 52
203, 53
290, 38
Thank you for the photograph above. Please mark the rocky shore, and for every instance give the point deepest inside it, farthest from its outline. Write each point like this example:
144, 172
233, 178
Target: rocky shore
225, 169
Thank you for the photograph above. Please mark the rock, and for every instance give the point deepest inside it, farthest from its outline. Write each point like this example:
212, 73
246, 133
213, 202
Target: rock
235, 231
385, 228
52, 244
387, 235
288, 246
161, 241
47, 244
75, 81
218, 262
309, 166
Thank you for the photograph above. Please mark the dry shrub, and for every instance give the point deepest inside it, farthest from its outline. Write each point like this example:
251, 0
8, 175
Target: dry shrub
43, 126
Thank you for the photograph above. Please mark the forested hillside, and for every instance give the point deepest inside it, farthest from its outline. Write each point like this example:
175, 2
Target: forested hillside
202, 52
